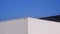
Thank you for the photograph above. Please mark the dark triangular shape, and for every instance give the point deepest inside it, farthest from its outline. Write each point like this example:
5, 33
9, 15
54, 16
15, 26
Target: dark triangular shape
52, 18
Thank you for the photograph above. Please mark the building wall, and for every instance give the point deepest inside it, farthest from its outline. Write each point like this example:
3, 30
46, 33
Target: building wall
29, 26
18, 26
38, 26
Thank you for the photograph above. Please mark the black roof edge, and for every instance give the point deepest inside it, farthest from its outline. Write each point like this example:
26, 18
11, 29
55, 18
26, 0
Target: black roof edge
52, 18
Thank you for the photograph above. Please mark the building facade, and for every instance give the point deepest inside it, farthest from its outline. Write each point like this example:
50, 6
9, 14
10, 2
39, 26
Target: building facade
29, 26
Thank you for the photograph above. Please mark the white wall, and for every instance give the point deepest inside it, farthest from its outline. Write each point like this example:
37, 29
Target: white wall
29, 26
18, 26
37, 26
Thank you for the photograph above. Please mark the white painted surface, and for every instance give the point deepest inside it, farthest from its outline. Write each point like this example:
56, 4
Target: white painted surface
18, 26
38, 26
29, 26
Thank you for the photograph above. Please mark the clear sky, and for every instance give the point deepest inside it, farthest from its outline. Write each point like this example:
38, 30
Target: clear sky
11, 9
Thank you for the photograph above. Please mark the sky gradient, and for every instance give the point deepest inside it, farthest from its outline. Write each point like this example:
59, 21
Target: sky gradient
11, 9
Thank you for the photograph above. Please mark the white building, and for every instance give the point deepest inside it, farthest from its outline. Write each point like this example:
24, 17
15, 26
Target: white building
29, 26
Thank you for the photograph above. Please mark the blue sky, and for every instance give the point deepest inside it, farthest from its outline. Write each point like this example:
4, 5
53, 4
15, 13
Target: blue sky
11, 9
